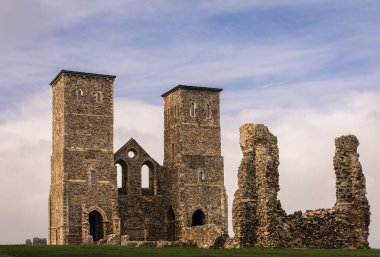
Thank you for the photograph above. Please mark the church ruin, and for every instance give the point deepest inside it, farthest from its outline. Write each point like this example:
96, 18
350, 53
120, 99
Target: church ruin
259, 220
184, 201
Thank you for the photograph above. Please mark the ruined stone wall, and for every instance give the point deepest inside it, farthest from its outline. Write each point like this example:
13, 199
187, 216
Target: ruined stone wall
143, 211
206, 236
259, 220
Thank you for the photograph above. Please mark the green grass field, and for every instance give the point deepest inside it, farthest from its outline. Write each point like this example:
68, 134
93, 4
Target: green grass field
119, 251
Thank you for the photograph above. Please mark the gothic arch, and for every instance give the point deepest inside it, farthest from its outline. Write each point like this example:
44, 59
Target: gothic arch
124, 176
170, 224
100, 210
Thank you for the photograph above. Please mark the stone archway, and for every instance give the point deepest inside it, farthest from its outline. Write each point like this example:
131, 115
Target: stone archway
95, 220
198, 218
170, 227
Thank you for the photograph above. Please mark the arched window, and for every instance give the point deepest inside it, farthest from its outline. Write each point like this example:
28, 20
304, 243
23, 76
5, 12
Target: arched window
122, 176
99, 97
198, 218
208, 113
119, 174
192, 109
79, 94
145, 176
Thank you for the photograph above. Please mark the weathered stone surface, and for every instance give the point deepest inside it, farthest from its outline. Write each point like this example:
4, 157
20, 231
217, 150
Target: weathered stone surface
206, 236
188, 190
90, 240
83, 191
259, 220
185, 202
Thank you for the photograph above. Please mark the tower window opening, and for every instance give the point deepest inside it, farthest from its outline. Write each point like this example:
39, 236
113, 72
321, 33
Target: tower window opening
99, 97
79, 94
172, 152
192, 109
201, 176
93, 177
198, 218
208, 114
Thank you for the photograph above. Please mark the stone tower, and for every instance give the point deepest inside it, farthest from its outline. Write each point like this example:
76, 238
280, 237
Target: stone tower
83, 191
192, 152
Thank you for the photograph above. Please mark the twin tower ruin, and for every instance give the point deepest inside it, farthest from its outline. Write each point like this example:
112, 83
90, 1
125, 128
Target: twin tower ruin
185, 199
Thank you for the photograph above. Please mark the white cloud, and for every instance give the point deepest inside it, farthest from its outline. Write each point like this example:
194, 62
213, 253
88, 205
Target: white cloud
295, 89
306, 142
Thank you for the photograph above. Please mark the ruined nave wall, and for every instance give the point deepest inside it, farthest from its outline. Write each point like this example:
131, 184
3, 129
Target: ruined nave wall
260, 221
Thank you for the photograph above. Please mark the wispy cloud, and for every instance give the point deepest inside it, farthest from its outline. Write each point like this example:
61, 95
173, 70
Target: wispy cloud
307, 69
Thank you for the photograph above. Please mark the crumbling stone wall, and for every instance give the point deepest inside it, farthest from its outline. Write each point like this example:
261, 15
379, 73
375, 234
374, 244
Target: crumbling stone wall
206, 236
258, 218
143, 211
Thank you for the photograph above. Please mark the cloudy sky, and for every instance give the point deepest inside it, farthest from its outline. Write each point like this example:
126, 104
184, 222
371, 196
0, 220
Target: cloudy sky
308, 69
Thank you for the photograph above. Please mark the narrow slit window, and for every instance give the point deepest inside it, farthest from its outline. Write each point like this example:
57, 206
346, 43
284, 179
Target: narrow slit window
192, 109
172, 152
99, 97
79, 94
201, 176
208, 114
93, 177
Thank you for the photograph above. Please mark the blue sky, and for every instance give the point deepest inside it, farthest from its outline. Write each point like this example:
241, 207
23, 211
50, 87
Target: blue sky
310, 70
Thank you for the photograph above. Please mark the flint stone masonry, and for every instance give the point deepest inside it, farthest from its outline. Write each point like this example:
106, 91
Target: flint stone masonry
184, 203
259, 220
206, 236
85, 204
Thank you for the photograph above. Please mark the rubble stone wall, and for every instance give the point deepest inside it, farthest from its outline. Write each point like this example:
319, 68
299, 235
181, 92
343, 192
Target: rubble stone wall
206, 236
258, 218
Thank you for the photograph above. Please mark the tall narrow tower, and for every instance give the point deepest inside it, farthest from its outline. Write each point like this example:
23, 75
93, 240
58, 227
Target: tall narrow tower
192, 151
83, 191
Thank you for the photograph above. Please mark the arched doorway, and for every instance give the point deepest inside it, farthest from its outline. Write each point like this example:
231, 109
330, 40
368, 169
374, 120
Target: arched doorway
198, 218
96, 225
170, 227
